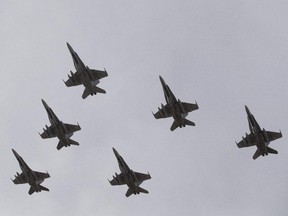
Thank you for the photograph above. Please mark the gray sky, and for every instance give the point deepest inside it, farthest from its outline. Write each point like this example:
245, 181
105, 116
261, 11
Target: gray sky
222, 54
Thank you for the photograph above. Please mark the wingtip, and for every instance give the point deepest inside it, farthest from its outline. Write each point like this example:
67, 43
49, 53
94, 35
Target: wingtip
149, 174
65, 82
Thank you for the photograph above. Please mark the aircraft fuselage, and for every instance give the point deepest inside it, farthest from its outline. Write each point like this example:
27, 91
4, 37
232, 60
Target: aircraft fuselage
262, 140
28, 172
61, 130
173, 103
131, 178
83, 70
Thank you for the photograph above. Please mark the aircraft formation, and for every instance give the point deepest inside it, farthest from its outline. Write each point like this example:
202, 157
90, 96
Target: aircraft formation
90, 78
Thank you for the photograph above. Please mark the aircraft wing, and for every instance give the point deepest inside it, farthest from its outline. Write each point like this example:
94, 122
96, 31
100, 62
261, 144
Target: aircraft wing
274, 135
74, 80
72, 128
249, 140
41, 175
164, 112
98, 74
188, 107
119, 179
49, 132
142, 177
20, 179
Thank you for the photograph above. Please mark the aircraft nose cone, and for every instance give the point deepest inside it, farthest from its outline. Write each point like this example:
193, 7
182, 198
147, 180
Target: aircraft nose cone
44, 103
115, 152
69, 47
247, 110
162, 80
15, 153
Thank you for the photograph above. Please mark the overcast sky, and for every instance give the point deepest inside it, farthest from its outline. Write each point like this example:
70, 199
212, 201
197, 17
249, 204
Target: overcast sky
223, 54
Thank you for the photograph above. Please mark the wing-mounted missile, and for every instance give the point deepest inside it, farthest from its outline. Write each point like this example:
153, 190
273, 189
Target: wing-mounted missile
72, 74
46, 131
115, 178
18, 177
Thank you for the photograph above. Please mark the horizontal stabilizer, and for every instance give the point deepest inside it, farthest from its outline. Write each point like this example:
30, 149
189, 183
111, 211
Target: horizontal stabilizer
31, 191
70, 142
174, 126
99, 90
142, 190
257, 154
129, 192
86, 93
73, 142
271, 151
43, 188
187, 122
95, 90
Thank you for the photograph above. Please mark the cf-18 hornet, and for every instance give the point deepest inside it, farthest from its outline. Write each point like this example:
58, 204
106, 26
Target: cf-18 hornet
258, 137
85, 76
129, 177
33, 178
59, 129
175, 108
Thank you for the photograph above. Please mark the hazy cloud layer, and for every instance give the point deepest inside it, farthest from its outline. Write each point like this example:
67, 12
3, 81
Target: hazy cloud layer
222, 54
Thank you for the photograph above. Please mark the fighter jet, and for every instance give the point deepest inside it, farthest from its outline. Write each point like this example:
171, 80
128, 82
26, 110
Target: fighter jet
258, 137
84, 75
33, 178
62, 130
175, 108
129, 177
